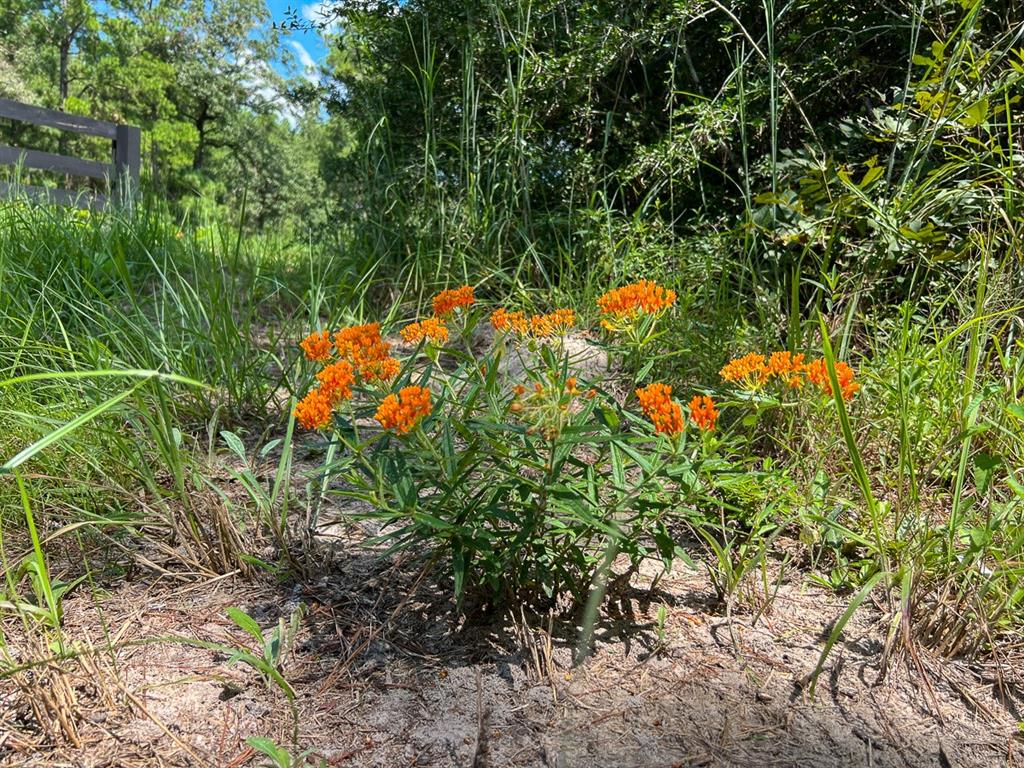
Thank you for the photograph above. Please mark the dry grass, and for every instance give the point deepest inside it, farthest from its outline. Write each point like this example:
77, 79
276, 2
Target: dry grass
386, 674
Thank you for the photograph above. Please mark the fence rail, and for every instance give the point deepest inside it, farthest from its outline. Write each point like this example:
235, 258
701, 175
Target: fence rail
121, 174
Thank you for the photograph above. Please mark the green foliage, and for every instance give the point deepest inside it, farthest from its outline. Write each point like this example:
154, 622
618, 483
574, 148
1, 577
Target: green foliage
831, 175
274, 645
99, 315
280, 757
530, 488
531, 139
217, 119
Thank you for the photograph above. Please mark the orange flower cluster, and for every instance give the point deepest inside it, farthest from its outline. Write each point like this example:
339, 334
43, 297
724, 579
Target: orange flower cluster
428, 328
753, 370
557, 322
361, 353
539, 326
449, 300
314, 410
786, 366
703, 413
360, 342
627, 302
336, 381
817, 373
317, 346
504, 321
404, 411
749, 370
369, 354
658, 405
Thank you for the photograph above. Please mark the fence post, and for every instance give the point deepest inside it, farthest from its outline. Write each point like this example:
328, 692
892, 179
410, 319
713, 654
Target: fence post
127, 162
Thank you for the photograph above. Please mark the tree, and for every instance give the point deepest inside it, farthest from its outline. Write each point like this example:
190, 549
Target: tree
217, 118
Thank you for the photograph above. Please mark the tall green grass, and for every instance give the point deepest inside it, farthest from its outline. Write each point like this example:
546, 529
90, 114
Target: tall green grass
129, 343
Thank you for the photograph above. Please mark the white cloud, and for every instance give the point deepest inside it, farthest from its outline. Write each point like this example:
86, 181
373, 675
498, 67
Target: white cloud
262, 82
322, 14
310, 70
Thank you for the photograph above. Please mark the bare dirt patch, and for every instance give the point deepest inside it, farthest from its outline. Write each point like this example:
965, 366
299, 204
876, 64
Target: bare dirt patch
387, 674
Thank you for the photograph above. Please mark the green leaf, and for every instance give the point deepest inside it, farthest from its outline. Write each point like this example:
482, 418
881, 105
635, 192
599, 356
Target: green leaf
636, 456
608, 416
872, 175
976, 114
837, 629
434, 522
666, 545
134, 373
245, 622
40, 558
269, 748
234, 442
266, 449
618, 471
984, 467
459, 565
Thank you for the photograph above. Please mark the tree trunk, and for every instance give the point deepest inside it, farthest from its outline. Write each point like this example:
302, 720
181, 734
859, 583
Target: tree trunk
62, 83
200, 156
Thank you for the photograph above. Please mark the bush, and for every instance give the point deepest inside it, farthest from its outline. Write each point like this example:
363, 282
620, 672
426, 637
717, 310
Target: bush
506, 461
527, 476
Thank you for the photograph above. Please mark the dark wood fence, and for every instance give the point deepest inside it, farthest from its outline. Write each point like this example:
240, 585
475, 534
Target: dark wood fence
121, 175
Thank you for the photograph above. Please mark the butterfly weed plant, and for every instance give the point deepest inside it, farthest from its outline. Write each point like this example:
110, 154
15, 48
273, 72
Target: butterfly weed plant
495, 452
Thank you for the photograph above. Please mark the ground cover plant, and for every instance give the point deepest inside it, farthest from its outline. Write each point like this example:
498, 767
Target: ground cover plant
619, 386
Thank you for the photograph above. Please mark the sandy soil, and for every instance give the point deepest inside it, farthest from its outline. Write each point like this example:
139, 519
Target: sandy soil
385, 676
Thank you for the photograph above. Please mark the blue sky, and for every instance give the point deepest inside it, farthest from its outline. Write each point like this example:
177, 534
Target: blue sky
307, 46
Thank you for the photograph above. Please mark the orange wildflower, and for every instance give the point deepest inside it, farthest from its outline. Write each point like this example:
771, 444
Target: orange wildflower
570, 385
404, 411
363, 346
703, 413
519, 390
785, 365
383, 369
314, 410
336, 381
559, 321
749, 370
317, 346
449, 300
658, 405
360, 342
817, 373
847, 385
428, 328
627, 302
502, 320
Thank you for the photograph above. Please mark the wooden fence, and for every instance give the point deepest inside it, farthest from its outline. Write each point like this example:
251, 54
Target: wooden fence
121, 175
